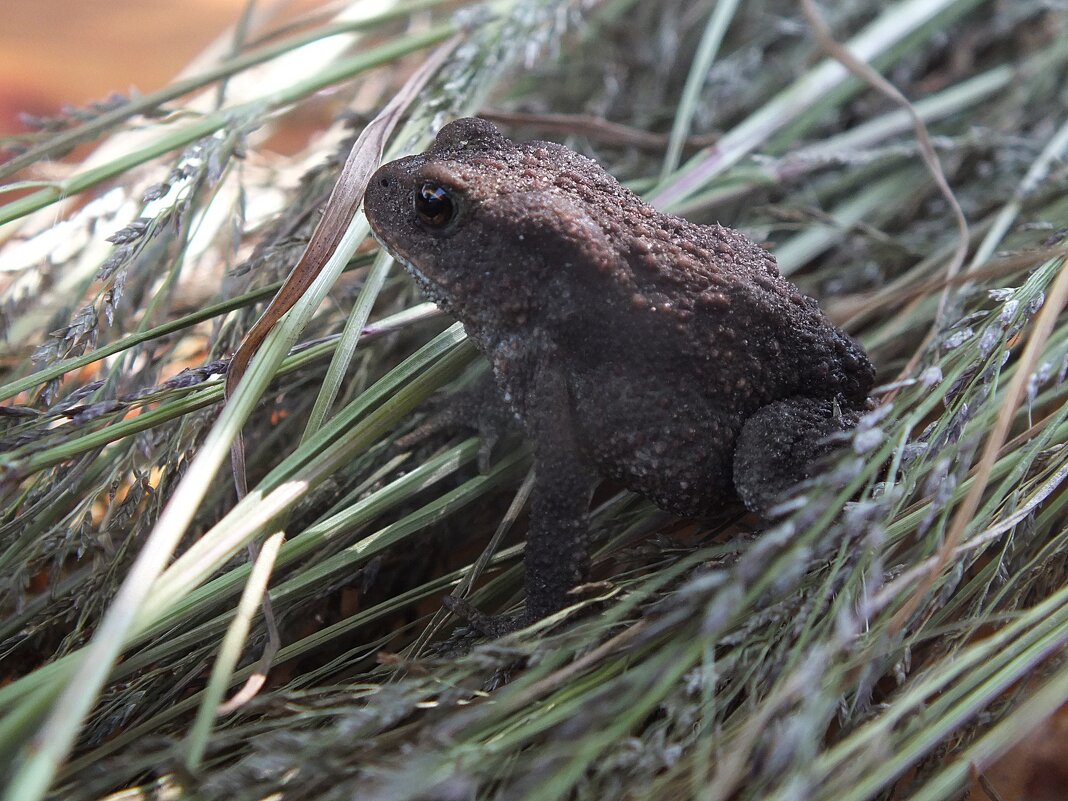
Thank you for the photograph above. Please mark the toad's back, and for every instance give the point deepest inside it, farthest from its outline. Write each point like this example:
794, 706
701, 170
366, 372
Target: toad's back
694, 333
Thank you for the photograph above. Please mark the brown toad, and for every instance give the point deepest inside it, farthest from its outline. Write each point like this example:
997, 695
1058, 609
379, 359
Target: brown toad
669, 356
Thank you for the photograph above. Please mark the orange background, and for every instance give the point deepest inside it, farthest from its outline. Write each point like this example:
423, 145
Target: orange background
76, 51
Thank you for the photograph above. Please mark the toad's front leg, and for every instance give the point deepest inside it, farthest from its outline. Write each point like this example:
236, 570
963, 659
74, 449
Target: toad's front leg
557, 552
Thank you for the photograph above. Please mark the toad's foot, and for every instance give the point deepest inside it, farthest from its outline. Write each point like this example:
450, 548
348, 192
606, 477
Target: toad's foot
782, 443
489, 625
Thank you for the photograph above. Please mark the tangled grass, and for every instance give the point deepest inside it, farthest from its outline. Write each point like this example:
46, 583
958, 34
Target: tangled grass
899, 628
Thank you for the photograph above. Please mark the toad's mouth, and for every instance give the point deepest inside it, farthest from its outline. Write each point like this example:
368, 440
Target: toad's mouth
427, 285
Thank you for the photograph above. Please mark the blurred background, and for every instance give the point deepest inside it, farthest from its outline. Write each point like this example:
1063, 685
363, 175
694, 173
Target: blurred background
54, 51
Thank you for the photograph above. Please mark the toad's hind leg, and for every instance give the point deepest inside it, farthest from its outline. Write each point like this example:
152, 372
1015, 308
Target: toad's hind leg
779, 445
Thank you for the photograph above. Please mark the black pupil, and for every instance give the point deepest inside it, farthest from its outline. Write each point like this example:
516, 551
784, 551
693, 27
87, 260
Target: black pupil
433, 205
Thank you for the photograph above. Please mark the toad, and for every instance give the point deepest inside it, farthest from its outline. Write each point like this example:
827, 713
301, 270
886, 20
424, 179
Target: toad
633, 345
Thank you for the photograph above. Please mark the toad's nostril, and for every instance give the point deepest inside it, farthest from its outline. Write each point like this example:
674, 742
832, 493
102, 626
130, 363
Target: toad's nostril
384, 182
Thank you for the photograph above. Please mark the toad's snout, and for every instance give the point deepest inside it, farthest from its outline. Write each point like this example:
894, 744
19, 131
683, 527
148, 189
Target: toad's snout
381, 198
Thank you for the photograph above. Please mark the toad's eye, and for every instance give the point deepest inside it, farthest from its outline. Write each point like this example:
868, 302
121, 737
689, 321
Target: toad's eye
433, 206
